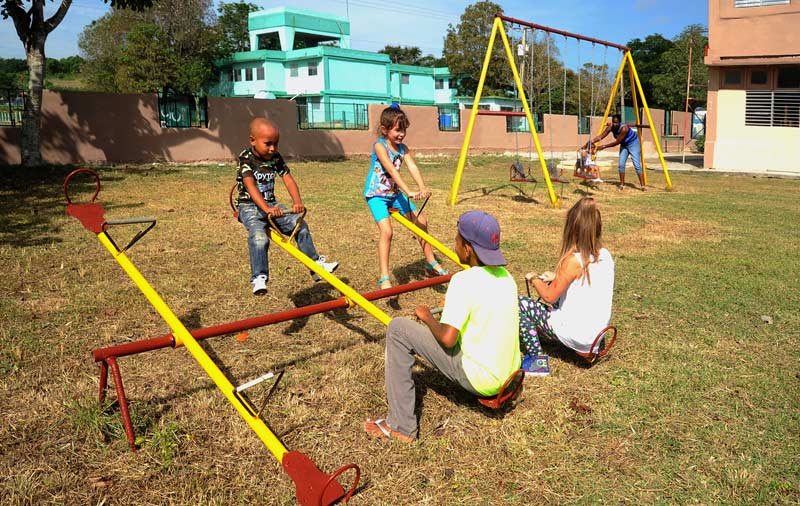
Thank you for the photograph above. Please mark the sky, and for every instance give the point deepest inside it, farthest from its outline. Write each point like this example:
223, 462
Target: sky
375, 24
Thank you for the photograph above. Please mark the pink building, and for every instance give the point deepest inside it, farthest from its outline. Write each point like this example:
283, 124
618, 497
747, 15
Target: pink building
753, 120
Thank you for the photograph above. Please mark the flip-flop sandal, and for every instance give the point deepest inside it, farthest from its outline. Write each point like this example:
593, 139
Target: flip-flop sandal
384, 431
394, 300
430, 269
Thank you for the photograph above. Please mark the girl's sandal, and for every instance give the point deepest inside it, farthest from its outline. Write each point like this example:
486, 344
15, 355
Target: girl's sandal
394, 300
431, 270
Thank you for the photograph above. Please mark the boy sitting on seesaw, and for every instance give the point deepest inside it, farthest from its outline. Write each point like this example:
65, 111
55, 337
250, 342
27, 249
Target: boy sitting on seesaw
474, 344
258, 167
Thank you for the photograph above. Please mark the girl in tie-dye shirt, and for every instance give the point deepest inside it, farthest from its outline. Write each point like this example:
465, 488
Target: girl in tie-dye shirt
385, 189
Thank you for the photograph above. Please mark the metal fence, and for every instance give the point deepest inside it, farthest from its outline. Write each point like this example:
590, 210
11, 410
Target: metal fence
182, 111
317, 115
12, 103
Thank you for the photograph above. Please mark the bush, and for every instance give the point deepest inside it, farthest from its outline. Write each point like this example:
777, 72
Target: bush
700, 143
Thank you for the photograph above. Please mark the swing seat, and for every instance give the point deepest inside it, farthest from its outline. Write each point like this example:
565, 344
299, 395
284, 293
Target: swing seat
508, 392
600, 346
517, 174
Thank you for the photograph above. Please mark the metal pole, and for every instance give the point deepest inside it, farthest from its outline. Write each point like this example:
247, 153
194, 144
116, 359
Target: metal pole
686, 110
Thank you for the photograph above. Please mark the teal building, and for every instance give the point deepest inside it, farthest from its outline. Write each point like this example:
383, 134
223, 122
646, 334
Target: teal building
305, 56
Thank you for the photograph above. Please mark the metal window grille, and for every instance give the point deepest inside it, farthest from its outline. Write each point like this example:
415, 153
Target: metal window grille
772, 108
405, 78
260, 73
316, 115
237, 75
293, 72
520, 123
758, 3
12, 104
182, 111
438, 84
449, 118
248, 74
312, 69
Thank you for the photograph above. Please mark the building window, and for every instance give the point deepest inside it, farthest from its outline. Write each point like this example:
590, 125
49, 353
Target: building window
260, 73
237, 75
758, 3
451, 83
789, 77
759, 77
316, 104
270, 41
405, 78
438, 84
449, 118
312, 69
293, 72
772, 108
732, 78
248, 74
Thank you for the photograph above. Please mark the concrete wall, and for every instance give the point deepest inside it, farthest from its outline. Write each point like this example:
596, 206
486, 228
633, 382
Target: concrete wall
752, 34
82, 127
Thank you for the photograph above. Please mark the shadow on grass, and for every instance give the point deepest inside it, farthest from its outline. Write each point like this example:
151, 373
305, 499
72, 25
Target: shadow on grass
483, 191
432, 379
32, 200
318, 293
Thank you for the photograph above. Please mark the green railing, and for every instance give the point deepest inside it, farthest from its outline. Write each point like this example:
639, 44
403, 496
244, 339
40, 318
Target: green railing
331, 116
12, 103
182, 111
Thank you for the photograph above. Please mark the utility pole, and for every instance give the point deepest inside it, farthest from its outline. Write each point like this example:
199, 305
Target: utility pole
687, 134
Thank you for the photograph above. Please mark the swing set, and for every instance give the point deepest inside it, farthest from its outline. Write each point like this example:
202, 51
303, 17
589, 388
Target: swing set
598, 88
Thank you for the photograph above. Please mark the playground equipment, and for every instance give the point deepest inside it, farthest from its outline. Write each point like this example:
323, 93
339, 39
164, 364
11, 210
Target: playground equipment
600, 346
92, 214
313, 487
627, 61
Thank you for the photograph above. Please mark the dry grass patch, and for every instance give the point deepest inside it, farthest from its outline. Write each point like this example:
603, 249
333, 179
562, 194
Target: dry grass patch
698, 401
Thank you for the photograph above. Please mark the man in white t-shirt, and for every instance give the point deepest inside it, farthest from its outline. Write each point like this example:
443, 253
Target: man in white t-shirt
476, 342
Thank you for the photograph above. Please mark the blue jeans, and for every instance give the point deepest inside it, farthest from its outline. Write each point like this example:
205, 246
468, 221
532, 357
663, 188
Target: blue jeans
255, 221
634, 149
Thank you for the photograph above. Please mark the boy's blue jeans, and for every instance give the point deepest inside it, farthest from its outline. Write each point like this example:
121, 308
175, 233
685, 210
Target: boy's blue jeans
634, 149
255, 221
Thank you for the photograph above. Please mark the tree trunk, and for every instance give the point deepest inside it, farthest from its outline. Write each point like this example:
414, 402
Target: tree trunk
32, 114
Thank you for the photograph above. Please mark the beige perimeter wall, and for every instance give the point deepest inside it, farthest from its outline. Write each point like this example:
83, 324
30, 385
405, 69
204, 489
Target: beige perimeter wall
80, 127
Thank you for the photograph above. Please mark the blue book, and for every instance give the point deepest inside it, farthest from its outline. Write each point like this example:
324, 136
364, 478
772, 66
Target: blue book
536, 365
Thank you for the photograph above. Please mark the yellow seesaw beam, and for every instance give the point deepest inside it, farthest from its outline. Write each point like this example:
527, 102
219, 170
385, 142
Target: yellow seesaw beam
353, 296
444, 250
183, 336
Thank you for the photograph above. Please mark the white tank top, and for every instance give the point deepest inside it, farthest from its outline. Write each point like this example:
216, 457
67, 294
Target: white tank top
584, 309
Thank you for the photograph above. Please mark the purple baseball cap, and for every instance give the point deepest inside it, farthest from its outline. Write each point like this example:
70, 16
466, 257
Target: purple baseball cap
482, 232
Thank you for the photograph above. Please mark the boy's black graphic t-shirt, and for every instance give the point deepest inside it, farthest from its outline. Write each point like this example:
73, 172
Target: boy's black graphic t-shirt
263, 171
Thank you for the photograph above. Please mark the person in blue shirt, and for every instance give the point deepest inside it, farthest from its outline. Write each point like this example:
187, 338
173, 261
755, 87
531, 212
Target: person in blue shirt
629, 144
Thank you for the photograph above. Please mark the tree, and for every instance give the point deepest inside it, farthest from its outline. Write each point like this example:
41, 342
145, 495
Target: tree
32, 29
232, 25
406, 55
465, 48
173, 44
647, 55
669, 84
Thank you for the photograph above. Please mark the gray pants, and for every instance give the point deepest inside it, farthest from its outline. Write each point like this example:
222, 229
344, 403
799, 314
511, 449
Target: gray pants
404, 339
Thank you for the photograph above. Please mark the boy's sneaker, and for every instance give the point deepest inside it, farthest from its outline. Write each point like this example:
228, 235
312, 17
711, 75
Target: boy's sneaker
328, 266
259, 285
536, 365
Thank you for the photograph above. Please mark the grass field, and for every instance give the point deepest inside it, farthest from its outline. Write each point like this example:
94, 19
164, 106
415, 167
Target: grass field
698, 403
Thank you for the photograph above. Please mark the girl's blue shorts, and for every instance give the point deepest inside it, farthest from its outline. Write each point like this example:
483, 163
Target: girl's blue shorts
379, 206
